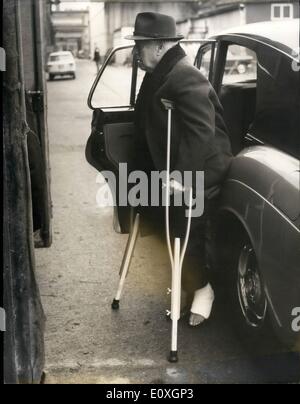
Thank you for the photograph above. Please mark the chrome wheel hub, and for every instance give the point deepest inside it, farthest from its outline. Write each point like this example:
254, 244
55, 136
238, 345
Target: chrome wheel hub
251, 295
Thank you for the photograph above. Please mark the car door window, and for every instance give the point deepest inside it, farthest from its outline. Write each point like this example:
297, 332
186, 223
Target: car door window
119, 80
191, 49
238, 93
113, 89
240, 66
205, 60
277, 119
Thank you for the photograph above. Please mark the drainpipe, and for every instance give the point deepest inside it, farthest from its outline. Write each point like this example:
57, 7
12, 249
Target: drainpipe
39, 101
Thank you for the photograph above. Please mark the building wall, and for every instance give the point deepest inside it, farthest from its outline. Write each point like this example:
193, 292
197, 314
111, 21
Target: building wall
258, 13
262, 12
86, 40
48, 30
72, 31
296, 9
98, 33
206, 27
120, 35
119, 15
184, 27
27, 26
28, 40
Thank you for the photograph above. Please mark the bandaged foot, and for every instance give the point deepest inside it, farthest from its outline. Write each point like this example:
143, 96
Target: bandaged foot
202, 305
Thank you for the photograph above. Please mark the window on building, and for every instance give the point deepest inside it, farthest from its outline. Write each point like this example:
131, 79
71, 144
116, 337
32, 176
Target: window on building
282, 11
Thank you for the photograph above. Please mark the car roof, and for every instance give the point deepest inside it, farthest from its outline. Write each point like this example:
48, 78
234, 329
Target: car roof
62, 53
281, 32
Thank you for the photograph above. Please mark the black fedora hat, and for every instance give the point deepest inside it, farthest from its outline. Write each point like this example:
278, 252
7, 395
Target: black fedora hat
151, 26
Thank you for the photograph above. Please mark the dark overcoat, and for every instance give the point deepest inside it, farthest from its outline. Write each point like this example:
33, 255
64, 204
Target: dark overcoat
199, 135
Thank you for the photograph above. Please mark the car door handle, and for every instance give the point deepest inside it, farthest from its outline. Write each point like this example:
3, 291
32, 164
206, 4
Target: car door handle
253, 140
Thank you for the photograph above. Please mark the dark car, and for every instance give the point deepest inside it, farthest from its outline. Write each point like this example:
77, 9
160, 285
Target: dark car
260, 206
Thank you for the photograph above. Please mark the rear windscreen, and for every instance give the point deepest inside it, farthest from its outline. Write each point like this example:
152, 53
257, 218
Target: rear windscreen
61, 58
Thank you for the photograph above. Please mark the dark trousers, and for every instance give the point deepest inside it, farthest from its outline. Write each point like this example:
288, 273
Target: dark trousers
195, 271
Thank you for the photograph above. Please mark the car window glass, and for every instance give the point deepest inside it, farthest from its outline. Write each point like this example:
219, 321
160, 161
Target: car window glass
238, 93
191, 50
205, 60
60, 58
240, 66
277, 113
114, 86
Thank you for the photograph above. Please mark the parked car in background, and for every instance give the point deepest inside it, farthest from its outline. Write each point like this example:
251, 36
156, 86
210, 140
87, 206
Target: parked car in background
259, 215
239, 62
61, 64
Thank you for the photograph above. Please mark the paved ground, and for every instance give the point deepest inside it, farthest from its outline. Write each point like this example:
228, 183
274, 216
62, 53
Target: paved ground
85, 341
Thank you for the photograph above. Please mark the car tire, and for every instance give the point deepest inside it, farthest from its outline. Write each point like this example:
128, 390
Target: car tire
245, 293
74, 76
51, 77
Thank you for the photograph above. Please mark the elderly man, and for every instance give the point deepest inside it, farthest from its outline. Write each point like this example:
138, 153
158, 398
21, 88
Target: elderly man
199, 137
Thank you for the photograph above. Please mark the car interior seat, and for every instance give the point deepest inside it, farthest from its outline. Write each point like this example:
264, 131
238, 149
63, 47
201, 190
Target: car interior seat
239, 103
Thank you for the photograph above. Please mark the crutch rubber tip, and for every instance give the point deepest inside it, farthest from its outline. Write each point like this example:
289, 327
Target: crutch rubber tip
115, 304
173, 357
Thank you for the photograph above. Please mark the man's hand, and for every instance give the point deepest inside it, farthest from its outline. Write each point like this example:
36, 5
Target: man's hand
175, 187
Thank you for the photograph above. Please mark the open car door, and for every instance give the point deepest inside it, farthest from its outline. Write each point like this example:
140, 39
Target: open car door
112, 98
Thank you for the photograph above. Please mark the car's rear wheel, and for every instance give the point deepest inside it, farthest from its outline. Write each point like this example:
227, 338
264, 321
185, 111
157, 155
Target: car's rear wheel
241, 68
247, 310
51, 77
250, 289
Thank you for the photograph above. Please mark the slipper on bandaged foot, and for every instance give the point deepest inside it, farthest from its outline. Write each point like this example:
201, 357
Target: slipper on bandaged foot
196, 319
202, 306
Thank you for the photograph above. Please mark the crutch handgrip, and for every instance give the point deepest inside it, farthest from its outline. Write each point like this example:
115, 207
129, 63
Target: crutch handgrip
168, 104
